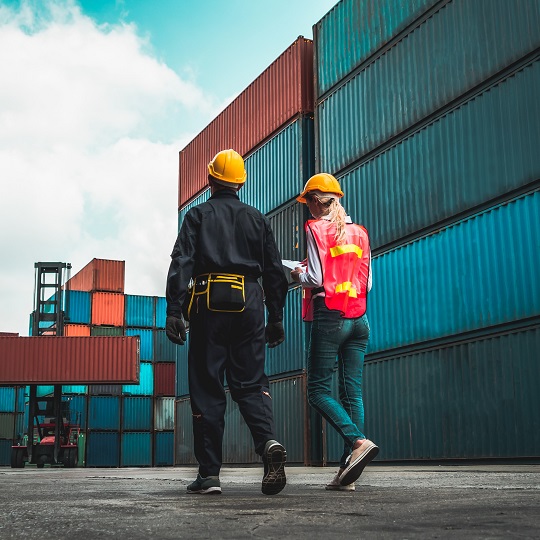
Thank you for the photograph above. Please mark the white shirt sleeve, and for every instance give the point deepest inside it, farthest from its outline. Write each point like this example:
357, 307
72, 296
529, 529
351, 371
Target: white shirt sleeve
313, 276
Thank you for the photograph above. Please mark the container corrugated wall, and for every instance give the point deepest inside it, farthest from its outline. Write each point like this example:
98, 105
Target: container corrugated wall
164, 413
137, 413
103, 413
102, 449
288, 394
146, 337
164, 348
164, 449
136, 449
477, 273
146, 382
76, 330
57, 360
282, 91
423, 72
139, 311
108, 309
99, 275
164, 378
354, 30
482, 149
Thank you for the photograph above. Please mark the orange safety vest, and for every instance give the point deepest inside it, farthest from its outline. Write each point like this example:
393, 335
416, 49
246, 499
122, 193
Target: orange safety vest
345, 269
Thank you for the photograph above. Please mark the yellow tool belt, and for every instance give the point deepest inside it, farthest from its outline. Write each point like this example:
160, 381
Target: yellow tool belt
223, 292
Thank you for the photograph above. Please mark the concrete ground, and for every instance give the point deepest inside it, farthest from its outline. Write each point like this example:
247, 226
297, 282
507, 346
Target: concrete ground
414, 501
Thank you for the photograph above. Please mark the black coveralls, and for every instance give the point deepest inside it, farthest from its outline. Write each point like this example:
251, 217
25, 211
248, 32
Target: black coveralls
226, 235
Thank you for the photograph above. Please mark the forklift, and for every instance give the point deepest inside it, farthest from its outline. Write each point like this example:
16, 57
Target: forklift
52, 435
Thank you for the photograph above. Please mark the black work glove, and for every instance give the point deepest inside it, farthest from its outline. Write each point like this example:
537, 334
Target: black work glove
274, 334
175, 330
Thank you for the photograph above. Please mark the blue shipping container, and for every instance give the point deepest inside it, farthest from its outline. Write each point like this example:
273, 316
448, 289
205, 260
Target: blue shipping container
479, 272
164, 448
104, 412
146, 342
139, 310
136, 449
137, 413
164, 348
161, 312
8, 396
146, 382
102, 449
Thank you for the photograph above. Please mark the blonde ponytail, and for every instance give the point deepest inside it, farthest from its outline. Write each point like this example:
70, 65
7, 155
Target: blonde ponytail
336, 214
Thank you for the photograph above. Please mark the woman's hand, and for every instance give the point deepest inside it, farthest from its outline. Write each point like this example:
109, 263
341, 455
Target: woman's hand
296, 273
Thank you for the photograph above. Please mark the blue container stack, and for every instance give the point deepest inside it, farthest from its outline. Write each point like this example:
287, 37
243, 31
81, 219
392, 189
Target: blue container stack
431, 122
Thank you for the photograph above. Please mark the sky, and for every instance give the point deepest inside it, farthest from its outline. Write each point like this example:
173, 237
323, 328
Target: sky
97, 97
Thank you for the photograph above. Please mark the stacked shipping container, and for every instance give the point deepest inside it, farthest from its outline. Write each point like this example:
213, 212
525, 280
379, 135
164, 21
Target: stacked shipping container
271, 125
123, 425
429, 117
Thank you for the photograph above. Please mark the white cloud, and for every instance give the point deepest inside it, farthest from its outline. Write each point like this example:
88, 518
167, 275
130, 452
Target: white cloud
86, 169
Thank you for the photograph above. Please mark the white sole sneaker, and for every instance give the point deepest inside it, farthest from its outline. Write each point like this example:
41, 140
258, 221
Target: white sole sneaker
359, 459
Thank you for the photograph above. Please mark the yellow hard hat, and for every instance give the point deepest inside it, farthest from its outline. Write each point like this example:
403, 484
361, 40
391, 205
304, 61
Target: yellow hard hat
323, 182
228, 167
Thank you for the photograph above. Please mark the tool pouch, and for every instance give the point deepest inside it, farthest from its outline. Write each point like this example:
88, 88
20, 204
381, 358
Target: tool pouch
224, 292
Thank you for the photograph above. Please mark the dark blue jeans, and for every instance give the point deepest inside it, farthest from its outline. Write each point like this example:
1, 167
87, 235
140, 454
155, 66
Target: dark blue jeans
333, 337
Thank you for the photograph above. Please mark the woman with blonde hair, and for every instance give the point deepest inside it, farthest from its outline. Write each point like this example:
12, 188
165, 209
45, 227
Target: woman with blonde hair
335, 282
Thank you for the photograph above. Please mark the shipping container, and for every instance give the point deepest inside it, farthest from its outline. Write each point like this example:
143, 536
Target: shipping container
104, 413
106, 331
283, 91
68, 360
146, 382
76, 330
77, 307
136, 449
8, 398
354, 30
78, 409
164, 448
107, 309
99, 275
5, 452
417, 404
422, 73
102, 449
139, 311
137, 413
164, 348
164, 378
287, 225
288, 394
481, 150
161, 311
74, 389
477, 273
105, 389
182, 383
163, 413
146, 340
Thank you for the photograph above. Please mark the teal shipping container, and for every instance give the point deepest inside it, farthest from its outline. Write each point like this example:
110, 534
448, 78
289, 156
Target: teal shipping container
139, 311
103, 413
290, 356
354, 30
77, 409
5, 452
137, 413
417, 404
288, 394
477, 273
164, 348
164, 449
8, 398
74, 389
452, 52
102, 449
277, 171
481, 150
77, 306
136, 449
146, 342
146, 382
161, 311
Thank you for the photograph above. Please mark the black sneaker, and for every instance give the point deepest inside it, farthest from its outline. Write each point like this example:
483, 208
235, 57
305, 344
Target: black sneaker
274, 458
205, 486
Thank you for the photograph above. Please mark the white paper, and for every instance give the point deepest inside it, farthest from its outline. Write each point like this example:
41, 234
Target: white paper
291, 264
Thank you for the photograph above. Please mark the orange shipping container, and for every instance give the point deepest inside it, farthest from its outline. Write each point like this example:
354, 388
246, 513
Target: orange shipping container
69, 360
108, 309
99, 275
76, 330
283, 91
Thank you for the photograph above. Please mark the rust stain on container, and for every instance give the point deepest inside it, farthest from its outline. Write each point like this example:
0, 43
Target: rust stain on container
69, 360
99, 275
108, 309
282, 91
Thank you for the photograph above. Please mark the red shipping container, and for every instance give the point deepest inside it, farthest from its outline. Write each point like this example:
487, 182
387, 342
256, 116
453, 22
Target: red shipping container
9, 334
69, 360
107, 309
164, 378
99, 275
283, 91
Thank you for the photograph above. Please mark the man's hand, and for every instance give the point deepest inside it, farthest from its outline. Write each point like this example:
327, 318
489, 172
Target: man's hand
274, 334
175, 330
